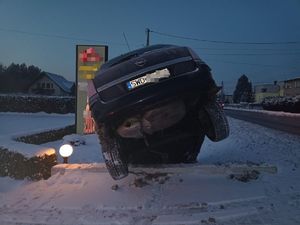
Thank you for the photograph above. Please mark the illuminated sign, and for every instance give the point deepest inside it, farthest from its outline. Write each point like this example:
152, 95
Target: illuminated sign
89, 59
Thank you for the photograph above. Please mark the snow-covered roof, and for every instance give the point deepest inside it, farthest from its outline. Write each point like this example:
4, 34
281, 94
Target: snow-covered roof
269, 88
62, 82
292, 79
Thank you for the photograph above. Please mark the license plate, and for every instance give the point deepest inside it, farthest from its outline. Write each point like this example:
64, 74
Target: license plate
148, 78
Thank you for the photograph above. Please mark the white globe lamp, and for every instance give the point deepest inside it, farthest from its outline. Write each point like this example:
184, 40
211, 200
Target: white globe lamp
66, 151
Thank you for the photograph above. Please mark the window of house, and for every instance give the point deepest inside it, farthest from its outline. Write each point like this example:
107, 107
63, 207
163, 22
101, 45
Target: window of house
43, 85
48, 85
51, 86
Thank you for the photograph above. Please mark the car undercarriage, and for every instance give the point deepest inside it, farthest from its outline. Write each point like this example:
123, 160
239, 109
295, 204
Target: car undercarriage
155, 113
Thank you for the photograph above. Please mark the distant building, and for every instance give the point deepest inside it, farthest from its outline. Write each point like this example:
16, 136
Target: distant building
51, 84
291, 87
228, 99
266, 90
281, 85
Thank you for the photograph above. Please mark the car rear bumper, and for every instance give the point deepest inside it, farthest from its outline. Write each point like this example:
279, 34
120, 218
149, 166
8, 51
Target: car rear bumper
189, 85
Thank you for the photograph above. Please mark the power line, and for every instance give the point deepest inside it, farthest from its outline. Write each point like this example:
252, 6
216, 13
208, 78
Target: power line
255, 49
255, 54
247, 49
57, 36
249, 64
223, 42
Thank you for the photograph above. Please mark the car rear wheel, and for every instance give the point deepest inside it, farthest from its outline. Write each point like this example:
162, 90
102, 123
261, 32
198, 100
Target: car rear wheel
214, 121
116, 165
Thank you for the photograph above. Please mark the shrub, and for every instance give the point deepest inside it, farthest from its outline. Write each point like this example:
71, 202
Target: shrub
285, 104
32, 104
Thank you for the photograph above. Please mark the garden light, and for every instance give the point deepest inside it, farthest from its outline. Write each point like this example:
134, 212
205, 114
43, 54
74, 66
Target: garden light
65, 151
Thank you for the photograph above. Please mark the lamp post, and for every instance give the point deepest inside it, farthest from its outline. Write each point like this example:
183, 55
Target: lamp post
65, 151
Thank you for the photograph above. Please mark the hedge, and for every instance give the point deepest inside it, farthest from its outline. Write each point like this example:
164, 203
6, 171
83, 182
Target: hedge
33, 104
47, 136
16, 165
285, 104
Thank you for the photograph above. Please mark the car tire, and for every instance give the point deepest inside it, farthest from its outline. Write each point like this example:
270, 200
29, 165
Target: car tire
214, 121
117, 167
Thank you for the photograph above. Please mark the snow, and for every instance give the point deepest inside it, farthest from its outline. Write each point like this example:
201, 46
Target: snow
84, 153
18, 124
271, 113
83, 195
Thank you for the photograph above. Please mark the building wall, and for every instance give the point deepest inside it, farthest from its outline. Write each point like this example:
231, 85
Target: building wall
259, 97
292, 87
229, 99
48, 86
266, 90
281, 91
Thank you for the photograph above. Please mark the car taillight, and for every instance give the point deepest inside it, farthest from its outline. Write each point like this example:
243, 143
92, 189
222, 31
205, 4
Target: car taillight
91, 88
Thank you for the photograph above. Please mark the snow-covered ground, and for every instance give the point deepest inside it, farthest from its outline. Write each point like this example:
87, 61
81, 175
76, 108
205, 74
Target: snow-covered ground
22, 123
87, 196
18, 124
268, 112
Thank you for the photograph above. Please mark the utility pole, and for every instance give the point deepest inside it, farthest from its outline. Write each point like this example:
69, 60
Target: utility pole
222, 94
148, 36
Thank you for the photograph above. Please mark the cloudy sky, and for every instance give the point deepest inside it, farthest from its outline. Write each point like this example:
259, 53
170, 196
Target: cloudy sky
259, 38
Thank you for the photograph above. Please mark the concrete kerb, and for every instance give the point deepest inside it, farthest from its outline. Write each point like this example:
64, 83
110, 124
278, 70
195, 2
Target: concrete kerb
171, 168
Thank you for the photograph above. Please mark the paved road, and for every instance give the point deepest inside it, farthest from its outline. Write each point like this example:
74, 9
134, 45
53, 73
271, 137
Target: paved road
278, 122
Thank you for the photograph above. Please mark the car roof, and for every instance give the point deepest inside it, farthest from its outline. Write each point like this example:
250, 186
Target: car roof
133, 54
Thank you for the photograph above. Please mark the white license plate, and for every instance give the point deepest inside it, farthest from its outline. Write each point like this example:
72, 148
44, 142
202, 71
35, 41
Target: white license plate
148, 78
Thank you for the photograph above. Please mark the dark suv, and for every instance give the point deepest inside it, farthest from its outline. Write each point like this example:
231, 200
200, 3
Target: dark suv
155, 105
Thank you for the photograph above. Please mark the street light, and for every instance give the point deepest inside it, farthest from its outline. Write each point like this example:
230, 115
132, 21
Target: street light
65, 151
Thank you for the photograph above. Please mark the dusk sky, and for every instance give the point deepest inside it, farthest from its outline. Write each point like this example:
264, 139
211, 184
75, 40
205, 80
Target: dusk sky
260, 39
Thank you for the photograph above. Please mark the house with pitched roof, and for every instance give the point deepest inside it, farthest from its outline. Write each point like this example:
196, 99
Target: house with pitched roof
291, 87
52, 84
